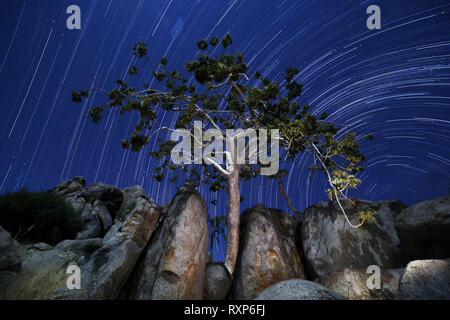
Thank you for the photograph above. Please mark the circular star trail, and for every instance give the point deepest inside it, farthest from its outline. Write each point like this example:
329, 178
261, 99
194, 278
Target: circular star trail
393, 82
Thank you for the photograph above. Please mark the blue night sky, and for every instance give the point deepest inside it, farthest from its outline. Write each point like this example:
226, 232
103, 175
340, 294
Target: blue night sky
393, 82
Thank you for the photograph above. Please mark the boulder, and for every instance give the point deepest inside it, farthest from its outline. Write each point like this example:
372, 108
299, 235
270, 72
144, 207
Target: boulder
131, 195
9, 257
173, 266
43, 270
96, 204
424, 229
353, 284
106, 271
93, 225
70, 186
85, 247
218, 281
95, 216
103, 215
296, 289
111, 196
104, 266
426, 280
330, 244
267, 253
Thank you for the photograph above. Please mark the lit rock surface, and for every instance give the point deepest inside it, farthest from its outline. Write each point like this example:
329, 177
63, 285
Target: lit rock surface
331, 245
268, 253
174, 263
426, 280
353, 284
296, 289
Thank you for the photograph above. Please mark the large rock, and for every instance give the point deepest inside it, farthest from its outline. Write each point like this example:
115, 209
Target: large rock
218, 281
174, 263
9, 257
103, 215
424, 229
353, 284
70, 186
84, 248
131, 196
331, 245
93, 225
296, 289
97, 204
43, 270
267, 253
110, 195
93, 211
106, 271
105, 265
426, 280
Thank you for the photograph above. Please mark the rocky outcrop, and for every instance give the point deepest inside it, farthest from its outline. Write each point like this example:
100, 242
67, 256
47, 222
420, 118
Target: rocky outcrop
268, 253
9, 257
70, 186
424, 229
106, 271
218, 281
93, 226
134, 249
104, 265
84, 248
426, 280
331, 245
109, 195
43, 270
97, 204
353, 284
131, 196
296, 289
173, 266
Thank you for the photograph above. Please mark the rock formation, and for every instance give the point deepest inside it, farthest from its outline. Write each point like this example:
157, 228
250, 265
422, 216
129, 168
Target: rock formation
424, 229
173, 265
268, 253
132, 248
296, 289
331, 245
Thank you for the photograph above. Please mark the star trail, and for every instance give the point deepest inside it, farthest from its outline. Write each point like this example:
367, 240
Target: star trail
393, 82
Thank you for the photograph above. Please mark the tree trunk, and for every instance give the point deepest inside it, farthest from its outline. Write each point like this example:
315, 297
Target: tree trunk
234, 200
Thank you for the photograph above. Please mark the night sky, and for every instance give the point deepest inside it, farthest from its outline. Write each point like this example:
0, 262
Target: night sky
393, 82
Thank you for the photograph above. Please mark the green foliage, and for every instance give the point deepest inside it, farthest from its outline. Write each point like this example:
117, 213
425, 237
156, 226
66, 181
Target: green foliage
38, 217
213, 41
140, 49
366, 215
133, 70
226, 41
202, 45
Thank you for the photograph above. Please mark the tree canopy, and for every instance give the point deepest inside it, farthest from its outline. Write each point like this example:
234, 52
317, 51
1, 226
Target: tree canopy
215, 89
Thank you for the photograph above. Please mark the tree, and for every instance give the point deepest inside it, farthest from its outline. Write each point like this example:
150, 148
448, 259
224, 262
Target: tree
222, 97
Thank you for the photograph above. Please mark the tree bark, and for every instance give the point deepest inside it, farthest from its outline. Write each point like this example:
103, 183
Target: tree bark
234, 200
